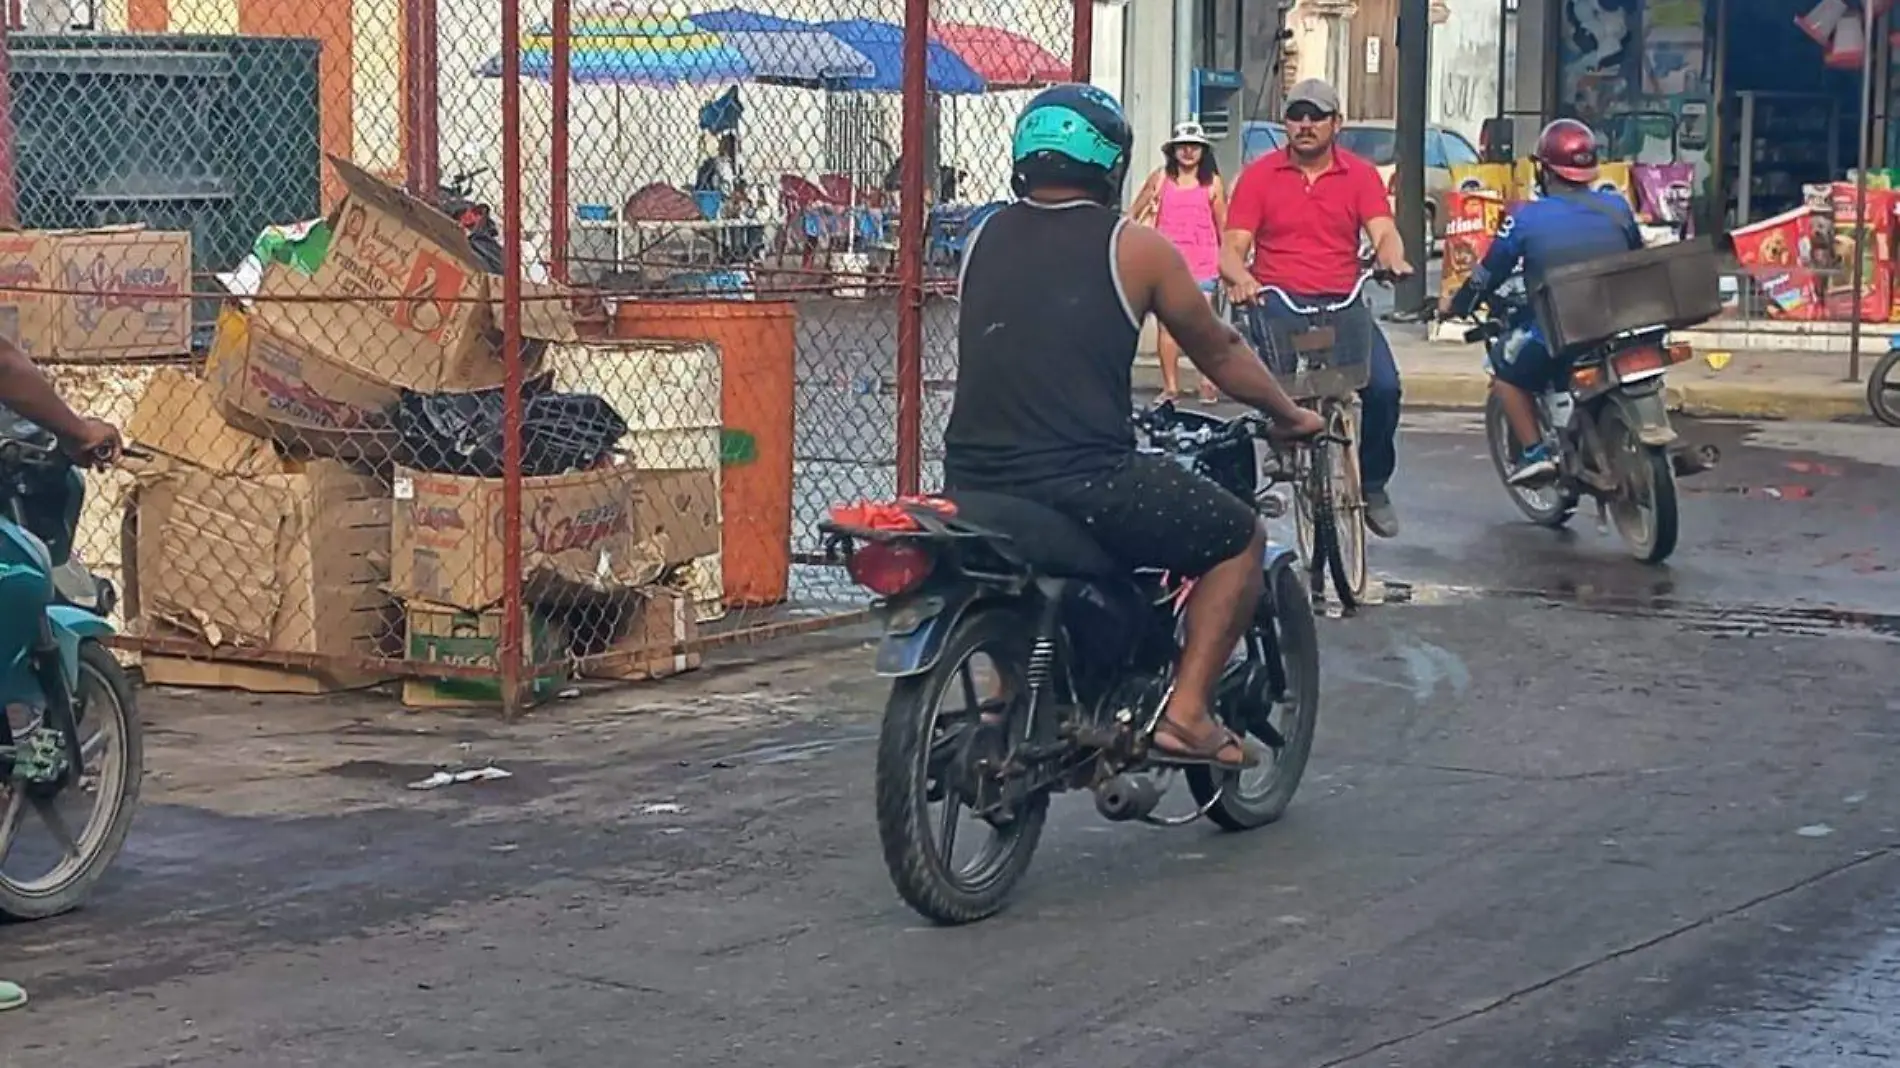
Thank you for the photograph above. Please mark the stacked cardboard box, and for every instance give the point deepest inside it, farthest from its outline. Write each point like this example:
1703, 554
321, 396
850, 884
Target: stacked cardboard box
279, 520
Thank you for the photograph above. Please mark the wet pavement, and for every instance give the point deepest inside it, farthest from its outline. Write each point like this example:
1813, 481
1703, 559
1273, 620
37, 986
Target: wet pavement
1563, 811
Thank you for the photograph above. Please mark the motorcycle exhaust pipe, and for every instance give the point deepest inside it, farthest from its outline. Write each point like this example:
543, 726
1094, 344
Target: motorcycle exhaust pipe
1695, 461
1127, 797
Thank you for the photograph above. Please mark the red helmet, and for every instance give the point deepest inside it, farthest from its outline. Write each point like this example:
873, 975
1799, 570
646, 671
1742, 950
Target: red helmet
1568, 149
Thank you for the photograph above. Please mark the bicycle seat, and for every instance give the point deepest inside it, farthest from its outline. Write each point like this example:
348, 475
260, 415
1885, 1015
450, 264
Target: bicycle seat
1044, 538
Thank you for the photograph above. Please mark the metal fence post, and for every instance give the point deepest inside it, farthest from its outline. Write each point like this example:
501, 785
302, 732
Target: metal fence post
9, 216
513, 607
559, 212
421, 104
1082, 41
910, 250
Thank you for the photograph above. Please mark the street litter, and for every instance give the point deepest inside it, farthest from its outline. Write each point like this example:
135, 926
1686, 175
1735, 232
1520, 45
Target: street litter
449, 778
1815, 830
662, 808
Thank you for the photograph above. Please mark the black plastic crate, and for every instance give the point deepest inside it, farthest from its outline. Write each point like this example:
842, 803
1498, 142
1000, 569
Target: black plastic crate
1586, 304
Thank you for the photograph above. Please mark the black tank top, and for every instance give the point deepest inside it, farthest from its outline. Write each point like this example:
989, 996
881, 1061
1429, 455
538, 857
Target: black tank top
1045, 351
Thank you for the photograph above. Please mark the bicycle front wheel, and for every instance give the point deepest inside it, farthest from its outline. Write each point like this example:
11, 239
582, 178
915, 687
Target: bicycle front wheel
1330, 512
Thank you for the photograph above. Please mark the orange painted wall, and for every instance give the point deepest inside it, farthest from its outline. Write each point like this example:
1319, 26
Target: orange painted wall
148, 16
327, 22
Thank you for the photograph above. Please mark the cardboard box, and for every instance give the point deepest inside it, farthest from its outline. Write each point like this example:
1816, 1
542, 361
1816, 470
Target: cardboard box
129, 293
292, 562
178, 416
305, 399
439, 634
632, 641
402, 296
186, 673
584, 535
1471, 225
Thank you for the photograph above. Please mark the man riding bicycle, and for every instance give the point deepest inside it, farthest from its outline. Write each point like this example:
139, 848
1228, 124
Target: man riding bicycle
1570, 224
1053, 293
1301, 212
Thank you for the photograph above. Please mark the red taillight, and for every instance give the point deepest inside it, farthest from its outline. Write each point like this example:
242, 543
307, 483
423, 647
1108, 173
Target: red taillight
1639, 361
889, 569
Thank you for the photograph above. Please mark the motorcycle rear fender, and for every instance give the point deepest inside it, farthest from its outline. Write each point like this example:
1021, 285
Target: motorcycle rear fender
1641, 407
916, 627
72, 627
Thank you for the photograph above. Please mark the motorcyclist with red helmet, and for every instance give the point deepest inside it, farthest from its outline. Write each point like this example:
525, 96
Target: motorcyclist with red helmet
1570, 223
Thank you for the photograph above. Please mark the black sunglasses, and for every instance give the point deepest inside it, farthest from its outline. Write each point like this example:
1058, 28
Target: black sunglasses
1304, 112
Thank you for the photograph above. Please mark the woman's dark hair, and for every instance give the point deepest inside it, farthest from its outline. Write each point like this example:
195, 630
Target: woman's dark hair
1204, 173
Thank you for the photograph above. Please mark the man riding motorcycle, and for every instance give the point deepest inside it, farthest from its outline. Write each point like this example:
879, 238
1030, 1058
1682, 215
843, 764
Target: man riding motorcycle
1053, 293
28, 393
1570, 224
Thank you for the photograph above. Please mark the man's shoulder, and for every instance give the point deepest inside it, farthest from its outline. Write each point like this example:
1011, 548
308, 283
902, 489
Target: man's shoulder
1353, 163
1272, 161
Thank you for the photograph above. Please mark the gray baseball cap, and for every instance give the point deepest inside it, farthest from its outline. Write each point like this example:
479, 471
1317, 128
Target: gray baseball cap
1317, 93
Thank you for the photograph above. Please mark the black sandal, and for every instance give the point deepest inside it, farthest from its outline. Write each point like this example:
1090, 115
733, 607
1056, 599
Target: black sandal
1202, 753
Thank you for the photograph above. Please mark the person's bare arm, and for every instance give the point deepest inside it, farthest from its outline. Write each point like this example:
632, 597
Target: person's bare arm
1220, 204
1388, 248
1154, 272
26, 391
1235, 246
1145, 200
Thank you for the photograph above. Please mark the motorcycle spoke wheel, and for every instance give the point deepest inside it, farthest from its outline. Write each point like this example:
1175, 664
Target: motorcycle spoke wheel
1549, 505
1644, 510
1883, 389
944, 735
56, 843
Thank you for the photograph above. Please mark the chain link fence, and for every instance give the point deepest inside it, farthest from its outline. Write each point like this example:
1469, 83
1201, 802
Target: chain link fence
484, 359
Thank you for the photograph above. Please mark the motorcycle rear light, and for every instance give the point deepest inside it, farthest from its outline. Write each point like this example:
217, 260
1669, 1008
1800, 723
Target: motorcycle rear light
890, 569
1640, 361
1586, 378
1680, 352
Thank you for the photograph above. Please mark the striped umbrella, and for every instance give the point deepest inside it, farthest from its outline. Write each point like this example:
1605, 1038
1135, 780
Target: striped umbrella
622, 48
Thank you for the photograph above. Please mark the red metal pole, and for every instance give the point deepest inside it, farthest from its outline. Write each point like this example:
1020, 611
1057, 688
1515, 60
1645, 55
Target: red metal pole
561, 214
910, 245
423, 152
512, 606
9, 204
1082, 44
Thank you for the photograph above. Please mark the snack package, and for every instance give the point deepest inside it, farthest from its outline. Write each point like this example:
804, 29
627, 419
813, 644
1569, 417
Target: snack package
1493, 178
1664, 191
1614, 177
1472, 223
1524, 183
1775, 252
1846, 232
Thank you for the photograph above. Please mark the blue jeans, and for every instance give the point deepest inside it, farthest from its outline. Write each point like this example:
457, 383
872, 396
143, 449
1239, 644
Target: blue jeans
1379, 401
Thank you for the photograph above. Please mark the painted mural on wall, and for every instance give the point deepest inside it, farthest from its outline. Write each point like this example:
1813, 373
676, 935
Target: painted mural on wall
1599, 56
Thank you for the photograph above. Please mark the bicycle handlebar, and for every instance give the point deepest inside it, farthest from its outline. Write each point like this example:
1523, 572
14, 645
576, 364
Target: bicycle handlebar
1370, 274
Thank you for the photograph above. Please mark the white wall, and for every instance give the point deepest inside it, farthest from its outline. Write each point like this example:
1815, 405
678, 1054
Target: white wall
1464, 87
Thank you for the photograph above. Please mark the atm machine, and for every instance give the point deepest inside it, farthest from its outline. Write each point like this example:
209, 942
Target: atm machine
1216, 101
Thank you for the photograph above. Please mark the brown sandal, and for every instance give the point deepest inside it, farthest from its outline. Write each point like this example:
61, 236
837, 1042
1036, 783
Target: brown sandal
1204, 752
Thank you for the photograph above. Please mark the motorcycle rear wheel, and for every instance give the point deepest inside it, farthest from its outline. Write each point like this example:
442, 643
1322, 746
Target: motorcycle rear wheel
1883, 390
919, 750
1644, 511
105, 703
1241, 807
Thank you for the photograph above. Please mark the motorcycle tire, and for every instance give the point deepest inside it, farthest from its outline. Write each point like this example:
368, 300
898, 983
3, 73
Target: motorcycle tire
1651, 541
1549, 506
1288, 610
29, 902
923, 877
1883, 399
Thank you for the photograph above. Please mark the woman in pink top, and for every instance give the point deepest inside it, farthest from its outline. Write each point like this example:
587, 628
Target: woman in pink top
1186, 202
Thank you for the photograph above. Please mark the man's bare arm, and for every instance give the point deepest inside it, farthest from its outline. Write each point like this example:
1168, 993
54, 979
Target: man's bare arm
25, 390
1234, 248
1151, 266
1388, 248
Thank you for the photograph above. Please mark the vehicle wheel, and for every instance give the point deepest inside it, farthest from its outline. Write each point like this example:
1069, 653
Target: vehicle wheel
926, 756
1883, 389
1645, 508
1258, 796
1349, 510
1547, 506
1433, 245
52, 872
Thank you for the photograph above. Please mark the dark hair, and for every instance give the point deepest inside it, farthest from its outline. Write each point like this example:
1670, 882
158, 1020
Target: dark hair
1204, 173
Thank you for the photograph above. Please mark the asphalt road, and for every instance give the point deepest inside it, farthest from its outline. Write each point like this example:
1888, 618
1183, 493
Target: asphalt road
1563, 811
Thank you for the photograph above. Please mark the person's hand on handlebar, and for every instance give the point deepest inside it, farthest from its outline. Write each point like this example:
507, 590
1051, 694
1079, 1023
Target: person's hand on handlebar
1392, 262
95, 444
1300, 424
1245, 291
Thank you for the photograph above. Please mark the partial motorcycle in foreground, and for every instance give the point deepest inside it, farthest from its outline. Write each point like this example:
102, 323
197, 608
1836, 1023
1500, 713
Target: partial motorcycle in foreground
71, 754
1608, 424
1024, 662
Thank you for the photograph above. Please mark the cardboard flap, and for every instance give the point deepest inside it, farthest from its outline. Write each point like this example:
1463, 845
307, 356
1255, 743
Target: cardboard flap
411, 211
546, 310
217, 542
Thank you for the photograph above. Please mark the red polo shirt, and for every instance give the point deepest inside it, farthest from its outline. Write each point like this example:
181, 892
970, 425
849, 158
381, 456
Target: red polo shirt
1306, 233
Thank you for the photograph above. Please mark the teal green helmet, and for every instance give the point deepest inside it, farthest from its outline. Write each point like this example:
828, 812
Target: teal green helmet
1074, 136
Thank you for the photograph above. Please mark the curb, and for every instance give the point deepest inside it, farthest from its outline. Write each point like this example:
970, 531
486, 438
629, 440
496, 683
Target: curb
1774, 400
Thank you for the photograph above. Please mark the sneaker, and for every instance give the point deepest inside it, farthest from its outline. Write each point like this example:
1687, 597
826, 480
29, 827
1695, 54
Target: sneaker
1381, 518
1534, 465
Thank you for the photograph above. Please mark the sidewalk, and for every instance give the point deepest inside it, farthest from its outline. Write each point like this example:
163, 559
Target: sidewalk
1753, 384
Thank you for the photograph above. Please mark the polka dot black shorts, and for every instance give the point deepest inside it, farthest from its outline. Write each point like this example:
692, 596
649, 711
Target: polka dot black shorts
1151, 512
